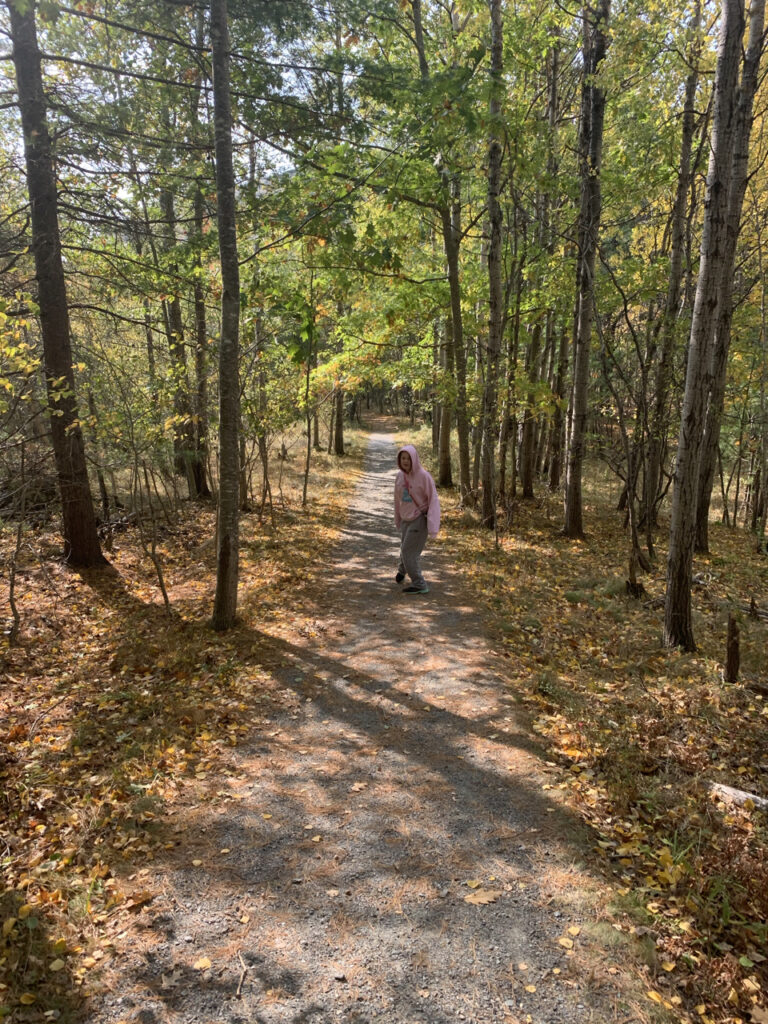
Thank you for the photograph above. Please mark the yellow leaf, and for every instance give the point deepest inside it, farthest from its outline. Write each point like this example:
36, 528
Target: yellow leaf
8, 926
530, 988
483, 896
25, 911
202, 964
474, 883
196, 863
565, 941
266, 817
56, 965
574, 930
556, 970
654, 996
668, 965
317, 839
522, 967
28, 998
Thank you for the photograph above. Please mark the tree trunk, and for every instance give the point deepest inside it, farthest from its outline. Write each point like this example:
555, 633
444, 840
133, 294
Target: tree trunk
590, 158
228, 550
495, 289
81, 542
451, 221
200, 455
183, 430
736, 189
678, 626
338, 434
444, 470
657, 433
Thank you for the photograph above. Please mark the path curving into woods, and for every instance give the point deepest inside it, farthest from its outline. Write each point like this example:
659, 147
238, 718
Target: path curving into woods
327, 881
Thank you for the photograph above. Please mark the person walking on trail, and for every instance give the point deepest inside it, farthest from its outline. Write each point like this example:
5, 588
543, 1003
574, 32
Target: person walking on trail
417, 515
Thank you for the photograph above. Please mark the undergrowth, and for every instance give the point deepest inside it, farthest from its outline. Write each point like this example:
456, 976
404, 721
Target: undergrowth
642, 733
111, 709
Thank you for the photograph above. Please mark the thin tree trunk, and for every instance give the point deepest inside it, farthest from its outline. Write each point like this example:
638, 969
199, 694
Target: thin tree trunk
338, 434
657, 434
495, 288
444, 471
451, 221
81, 542
590, 154
678, 625
228, 548
200, 456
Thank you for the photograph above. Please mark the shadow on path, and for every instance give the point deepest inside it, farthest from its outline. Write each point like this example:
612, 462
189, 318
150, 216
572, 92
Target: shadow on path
329, 880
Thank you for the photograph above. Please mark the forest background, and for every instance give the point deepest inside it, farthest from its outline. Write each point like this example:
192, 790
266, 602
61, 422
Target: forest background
226, 233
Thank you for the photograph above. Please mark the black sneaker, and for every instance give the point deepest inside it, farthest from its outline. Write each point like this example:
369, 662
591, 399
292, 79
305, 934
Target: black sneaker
399, 577
413, 589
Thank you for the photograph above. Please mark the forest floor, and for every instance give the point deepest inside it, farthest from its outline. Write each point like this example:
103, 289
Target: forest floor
489, 804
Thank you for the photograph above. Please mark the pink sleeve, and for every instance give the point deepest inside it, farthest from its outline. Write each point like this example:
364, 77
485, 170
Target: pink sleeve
433, 512
398, 491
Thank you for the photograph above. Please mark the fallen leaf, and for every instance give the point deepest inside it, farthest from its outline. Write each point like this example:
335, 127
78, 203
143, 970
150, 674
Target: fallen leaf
530, 988
139, 899
566, 942
668, 965
474, 883
56, 965
202, 964
480, 897
317, 839
574, 930
654, 997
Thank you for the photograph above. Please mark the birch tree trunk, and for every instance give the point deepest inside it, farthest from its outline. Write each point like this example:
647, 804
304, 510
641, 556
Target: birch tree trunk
590, 157
678, 625
81, 542
496, 293
737, 188
225, 601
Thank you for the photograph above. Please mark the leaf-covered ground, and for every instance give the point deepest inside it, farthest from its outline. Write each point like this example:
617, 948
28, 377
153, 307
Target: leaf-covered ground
641, 732
110, 710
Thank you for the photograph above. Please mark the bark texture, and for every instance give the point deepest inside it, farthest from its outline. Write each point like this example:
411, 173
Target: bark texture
225, 601
81, 542
496, 292
678, 625
736, 189
590, 158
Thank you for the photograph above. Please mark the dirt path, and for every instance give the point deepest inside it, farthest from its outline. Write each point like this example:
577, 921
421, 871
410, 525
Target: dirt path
329, 880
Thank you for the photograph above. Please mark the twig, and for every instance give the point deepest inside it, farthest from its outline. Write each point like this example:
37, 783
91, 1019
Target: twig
43, 714
243, 974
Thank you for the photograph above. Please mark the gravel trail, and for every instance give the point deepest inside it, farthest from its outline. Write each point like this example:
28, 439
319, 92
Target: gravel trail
332, 875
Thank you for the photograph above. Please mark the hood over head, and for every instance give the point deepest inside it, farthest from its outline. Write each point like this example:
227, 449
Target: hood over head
415, 461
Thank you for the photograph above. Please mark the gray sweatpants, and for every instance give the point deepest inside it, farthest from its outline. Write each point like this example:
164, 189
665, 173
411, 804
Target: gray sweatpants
413, 534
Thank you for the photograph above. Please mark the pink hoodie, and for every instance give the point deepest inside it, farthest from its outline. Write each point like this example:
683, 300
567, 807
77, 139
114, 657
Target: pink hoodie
415, 493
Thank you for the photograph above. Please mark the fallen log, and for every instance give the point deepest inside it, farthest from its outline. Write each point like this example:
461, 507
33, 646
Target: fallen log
738, 796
